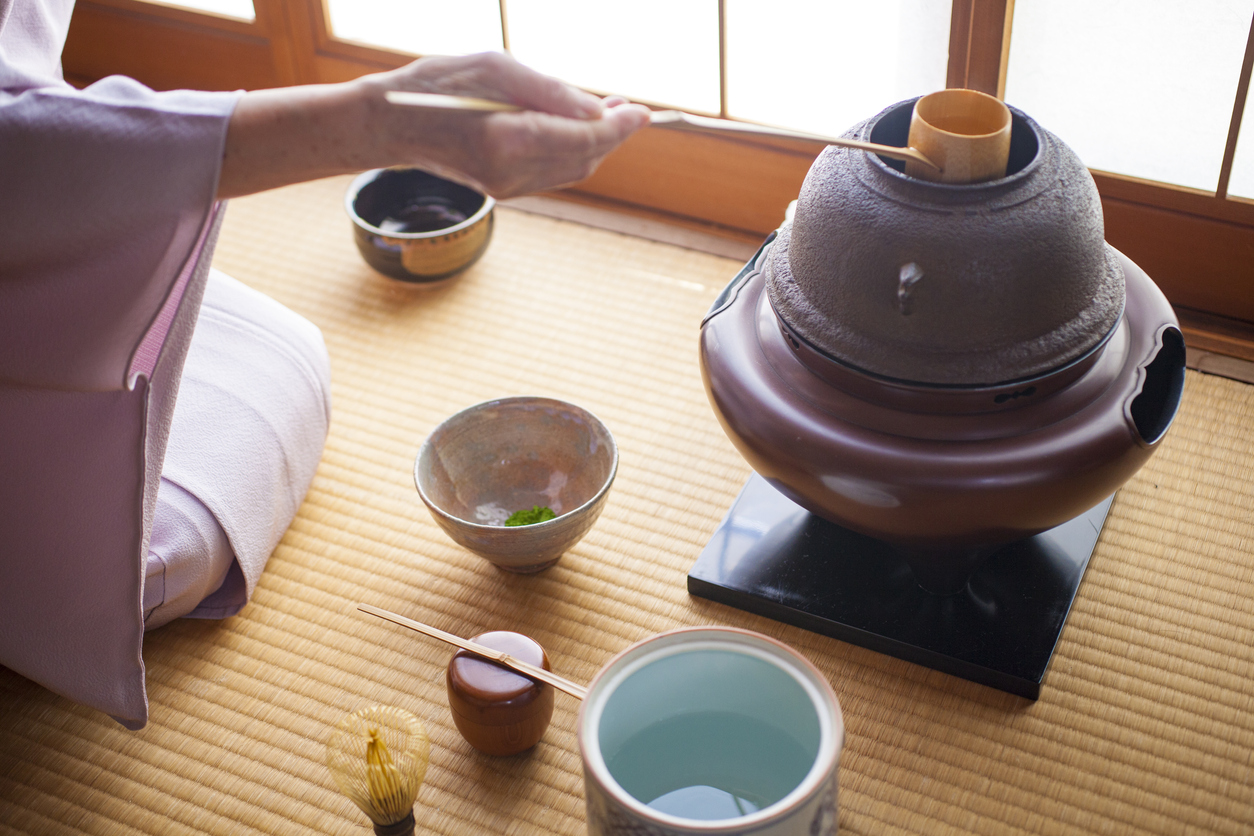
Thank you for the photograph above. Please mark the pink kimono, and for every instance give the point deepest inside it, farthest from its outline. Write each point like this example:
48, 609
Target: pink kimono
118, 509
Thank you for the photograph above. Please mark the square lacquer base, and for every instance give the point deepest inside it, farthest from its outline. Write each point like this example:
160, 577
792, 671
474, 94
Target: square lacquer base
771, 557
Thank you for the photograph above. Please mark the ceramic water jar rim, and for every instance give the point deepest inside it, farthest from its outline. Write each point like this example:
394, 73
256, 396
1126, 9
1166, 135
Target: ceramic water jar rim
640, 655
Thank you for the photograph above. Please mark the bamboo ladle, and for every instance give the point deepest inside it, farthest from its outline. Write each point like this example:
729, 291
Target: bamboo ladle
670, 119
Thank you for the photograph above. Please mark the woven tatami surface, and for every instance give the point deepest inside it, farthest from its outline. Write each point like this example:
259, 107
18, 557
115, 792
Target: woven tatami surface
1146, 719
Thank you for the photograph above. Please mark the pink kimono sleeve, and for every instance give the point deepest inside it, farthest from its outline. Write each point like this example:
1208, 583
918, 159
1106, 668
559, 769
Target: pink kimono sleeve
107, 223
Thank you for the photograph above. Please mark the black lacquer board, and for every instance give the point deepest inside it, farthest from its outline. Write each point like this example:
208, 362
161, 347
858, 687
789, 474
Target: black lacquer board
771, 557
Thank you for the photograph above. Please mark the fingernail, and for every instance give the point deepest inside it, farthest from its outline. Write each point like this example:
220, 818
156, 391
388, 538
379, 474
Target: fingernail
589, 107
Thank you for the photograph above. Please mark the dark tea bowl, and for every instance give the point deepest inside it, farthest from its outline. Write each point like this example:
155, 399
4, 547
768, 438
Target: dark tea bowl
414, 226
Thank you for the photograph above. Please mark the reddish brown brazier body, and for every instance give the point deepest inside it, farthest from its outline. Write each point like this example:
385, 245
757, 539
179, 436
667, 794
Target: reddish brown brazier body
944, 367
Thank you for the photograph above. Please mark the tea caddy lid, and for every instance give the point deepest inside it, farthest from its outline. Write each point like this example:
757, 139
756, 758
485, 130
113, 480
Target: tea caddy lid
491, 694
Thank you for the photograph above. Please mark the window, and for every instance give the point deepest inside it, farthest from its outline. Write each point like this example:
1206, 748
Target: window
422, 27
1142, 89
1242, 182
825, 66
624, 48
815, 65
787, 62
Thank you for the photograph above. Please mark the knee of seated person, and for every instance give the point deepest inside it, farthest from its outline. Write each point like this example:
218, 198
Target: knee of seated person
288, 336
248, 431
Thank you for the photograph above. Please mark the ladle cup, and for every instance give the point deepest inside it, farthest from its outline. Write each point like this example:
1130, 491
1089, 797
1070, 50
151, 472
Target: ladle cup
966, 133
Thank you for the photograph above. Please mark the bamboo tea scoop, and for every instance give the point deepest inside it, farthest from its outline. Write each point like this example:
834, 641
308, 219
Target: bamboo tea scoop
500, 657
672, 119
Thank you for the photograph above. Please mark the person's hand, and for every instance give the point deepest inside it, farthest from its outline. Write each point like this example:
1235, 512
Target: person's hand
558, 139
288, 135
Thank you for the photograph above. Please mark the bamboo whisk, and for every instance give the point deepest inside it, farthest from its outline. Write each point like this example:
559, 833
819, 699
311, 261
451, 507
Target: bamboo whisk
378, 757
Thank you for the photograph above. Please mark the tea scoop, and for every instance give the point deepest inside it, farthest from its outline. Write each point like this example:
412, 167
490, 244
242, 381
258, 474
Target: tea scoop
672, 119
526, 668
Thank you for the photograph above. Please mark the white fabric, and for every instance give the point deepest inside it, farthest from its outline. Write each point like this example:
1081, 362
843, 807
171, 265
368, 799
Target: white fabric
252, 416
189, 557
32, 34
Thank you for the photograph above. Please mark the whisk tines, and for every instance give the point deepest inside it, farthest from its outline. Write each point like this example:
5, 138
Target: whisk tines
378, 757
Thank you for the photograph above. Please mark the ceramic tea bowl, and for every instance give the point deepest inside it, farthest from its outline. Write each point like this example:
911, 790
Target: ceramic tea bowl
490, 460
710, 730
417, 227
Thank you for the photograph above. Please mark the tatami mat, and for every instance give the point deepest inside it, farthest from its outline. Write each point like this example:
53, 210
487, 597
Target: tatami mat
1146, 719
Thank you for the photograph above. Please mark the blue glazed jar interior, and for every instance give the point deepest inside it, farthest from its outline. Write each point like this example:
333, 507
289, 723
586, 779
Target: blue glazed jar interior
709, 734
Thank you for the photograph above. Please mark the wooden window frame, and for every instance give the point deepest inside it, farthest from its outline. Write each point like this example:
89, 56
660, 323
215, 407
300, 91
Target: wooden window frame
1198, 246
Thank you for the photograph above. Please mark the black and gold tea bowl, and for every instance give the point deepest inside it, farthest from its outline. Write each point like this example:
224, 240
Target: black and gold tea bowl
411, 225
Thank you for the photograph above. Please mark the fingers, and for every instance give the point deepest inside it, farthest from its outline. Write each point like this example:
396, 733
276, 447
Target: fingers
559, 138
545, 135
498, 76
548, 95
538, 151
627, 117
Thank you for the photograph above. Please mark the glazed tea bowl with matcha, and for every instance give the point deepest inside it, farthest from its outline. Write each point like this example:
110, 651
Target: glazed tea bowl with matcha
411, 225
518, 481
710, 730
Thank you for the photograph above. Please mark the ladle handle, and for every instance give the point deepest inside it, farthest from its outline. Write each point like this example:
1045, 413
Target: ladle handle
446, 102
688, 121
670, 119
499, 656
